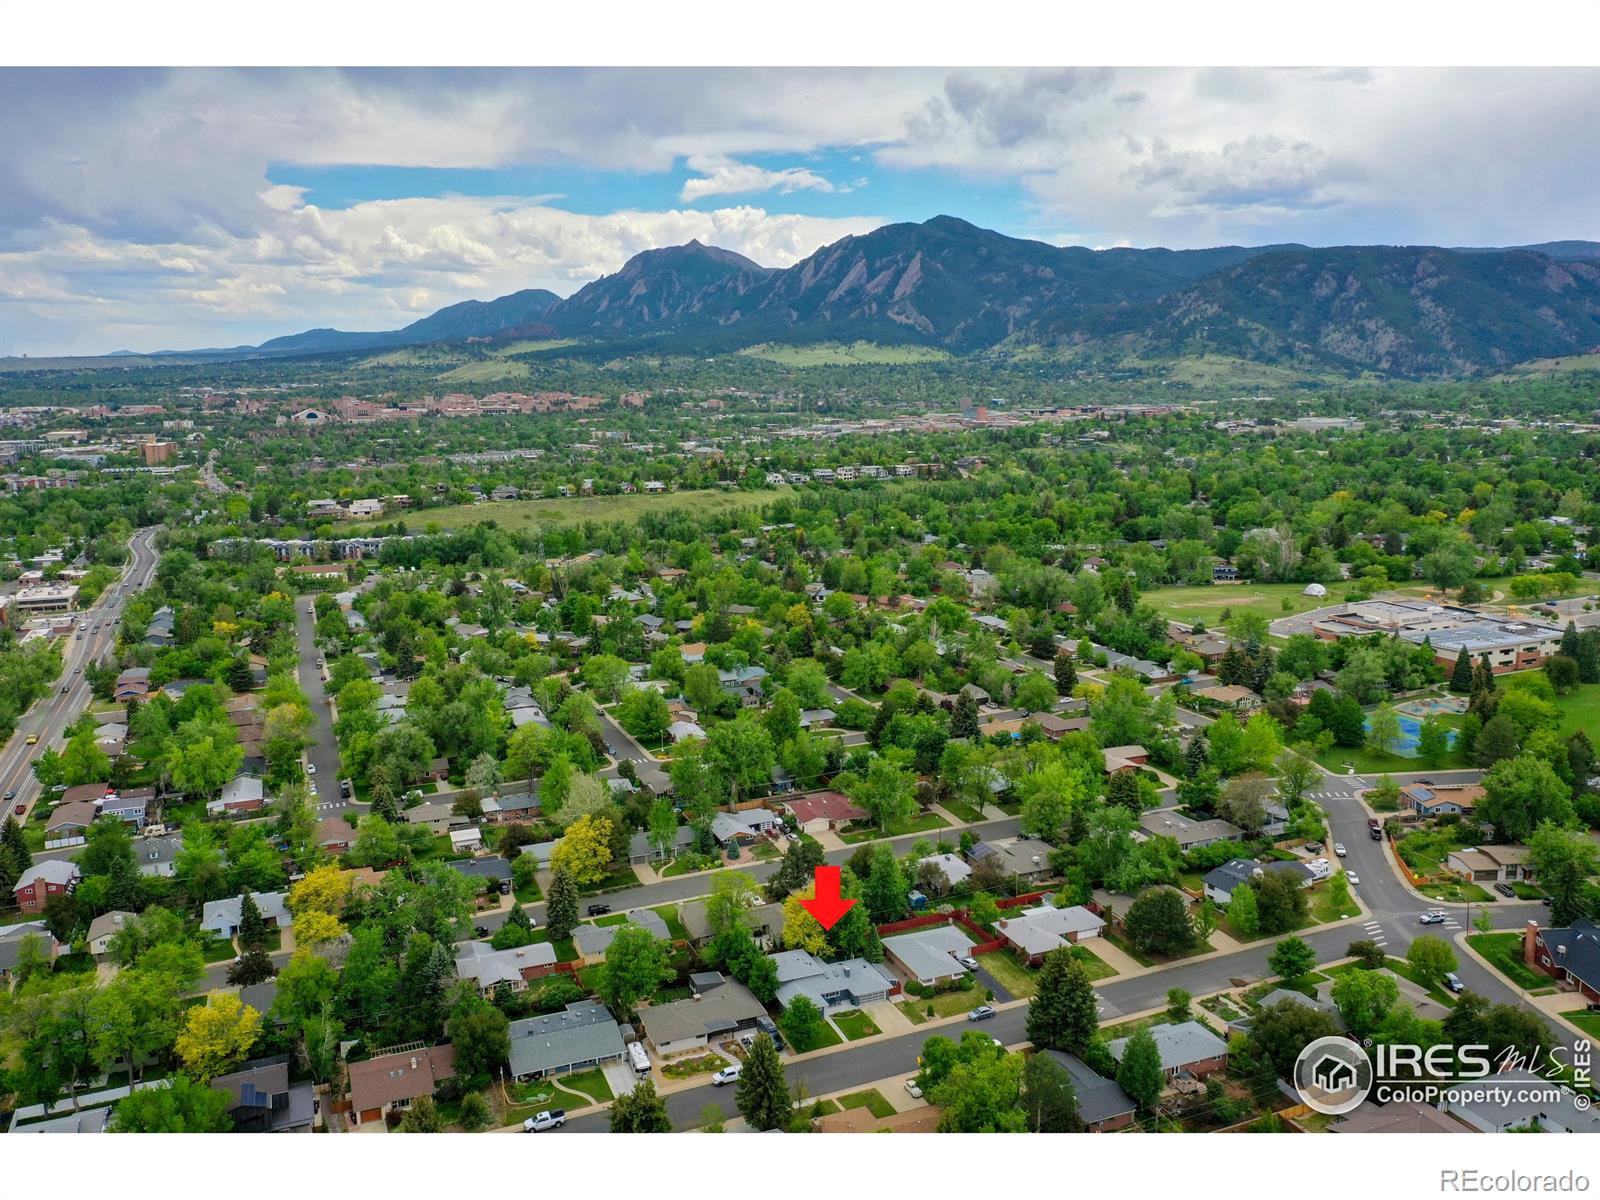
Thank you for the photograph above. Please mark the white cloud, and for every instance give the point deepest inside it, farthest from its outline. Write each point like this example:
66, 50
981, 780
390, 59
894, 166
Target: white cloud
721, 176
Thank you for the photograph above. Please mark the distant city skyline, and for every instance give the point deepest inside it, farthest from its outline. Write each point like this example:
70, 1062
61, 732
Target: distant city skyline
150, 209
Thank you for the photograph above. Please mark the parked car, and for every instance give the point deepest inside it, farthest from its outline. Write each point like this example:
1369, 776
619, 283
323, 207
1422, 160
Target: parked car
553, 1118
768, 1027
982, 1013
480, 931
1352, 878
598, 910
1314, 847
311, 768
1338, 848
727, 1075
1453, 982
913, 1090
967, 961
1506, 890
344, 789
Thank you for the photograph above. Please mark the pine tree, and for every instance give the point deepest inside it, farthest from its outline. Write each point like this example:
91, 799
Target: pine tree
252, 927
1497, 740
1588, 655
1195, 756
1067, 674
561, 907
15, 846
763, 1091
1461, 677
964, 720
1123, 789
1483, 677
1062, 1014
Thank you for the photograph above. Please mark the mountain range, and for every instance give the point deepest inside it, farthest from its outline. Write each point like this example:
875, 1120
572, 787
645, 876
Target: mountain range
1406, 311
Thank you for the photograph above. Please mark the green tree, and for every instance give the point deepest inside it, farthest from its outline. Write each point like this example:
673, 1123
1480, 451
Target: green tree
473, 1113
1433, 741
1178, 1010
1280, 1031
763, 1091
1280, 901
1292, 958
1364, 998
185, 1105
637, 963
982, 1094
1563, 861
1066, 673
887, 792
964, 719
1243, 913
1049, 1101
1520, 793
1062, 1014
561, 906
640, 1111
1496, 741
1431, 958
482, 1043
802, 1024
1157, 922
1139, 1073
422, 1117
1461, 676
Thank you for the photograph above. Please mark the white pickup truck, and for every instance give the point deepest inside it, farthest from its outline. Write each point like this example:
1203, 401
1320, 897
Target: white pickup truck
549, 1119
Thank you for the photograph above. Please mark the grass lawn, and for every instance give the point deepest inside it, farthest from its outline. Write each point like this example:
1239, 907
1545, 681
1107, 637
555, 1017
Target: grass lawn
675, 925
945, 1004
529, 893
566, 948
1368, 761
688, 1068
1581, 710
1097, 967
1205, 603
1587, 1021
1504, 952
522, 515
856, 1025
1457, 893
1323, 909
1151, 960
921, 823
872, 1100
591, 1083
1021, 981
826, 1035
611, 919
589, 977
273, 941
961, 809
215, 949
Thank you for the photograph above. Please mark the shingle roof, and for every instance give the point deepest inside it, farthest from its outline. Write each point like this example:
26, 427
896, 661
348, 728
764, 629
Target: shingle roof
927, 953
481, 962
584, 1032
1179, 1045
596, 939
401, 1076
721, 1010
1099, 1098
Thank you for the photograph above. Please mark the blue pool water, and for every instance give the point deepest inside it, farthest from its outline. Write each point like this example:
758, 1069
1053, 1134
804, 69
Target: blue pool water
1410, 732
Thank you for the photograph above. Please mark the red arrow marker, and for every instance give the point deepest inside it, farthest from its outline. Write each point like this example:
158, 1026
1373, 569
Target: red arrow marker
829, 905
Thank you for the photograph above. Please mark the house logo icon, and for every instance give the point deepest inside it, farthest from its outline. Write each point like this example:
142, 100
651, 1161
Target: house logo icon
1333, 1075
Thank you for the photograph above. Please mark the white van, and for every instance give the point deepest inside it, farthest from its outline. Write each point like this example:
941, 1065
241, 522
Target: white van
639, 1059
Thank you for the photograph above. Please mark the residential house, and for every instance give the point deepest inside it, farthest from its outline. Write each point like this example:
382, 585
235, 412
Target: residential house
489, 873
1435, 801
132, 684
1014, 858
929, 956
1102, 1104
504, 970
71, 820
952, 867
1396, 1117
334, 835
156, 855
642, 850
1570, 954
593, 940
1035, 932
243, 793
745, 684
744, 827
221, 917
1187, 831
52, 877
832, 987
1220, 882
719, 1008
12, 939
819, 811
390, 1082
263, 1099
102, 929
582, 1035
1229, 696
1491, 864
1518, 1100
763, 920
133, 806
1187, 1048
466, 841
1123, 758
683, 731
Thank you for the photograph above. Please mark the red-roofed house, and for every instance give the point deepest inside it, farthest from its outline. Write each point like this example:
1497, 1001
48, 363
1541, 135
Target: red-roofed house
819, 811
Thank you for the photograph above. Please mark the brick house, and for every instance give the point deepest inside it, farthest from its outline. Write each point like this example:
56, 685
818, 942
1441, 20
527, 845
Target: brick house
38, 883
390, 1082
1187, 1048
1571, 955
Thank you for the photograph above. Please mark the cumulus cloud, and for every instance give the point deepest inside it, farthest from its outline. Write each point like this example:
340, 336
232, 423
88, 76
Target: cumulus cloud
720, 176
139, 205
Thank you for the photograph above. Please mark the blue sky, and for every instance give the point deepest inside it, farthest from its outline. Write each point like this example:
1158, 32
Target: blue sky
151, 209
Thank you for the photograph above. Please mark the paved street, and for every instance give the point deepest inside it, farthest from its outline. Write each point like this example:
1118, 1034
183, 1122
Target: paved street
49, 718
323, 753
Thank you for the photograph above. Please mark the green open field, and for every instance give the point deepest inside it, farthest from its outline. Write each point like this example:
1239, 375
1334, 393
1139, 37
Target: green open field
488, 370
836, 354
525, 514
1205, 603
1581, 710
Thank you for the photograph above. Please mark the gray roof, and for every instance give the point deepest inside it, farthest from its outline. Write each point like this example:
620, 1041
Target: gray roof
1045, 928
225, 913
264, 1084
1015, 856
757, 918
1099, 1098
956, 872
928, 952
12, 937
801, 973
595, 939
1179, 1045
488, 967
584, 1032
721, 1010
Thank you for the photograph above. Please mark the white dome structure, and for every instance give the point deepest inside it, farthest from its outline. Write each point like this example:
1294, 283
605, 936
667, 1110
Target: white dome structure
1314, 589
